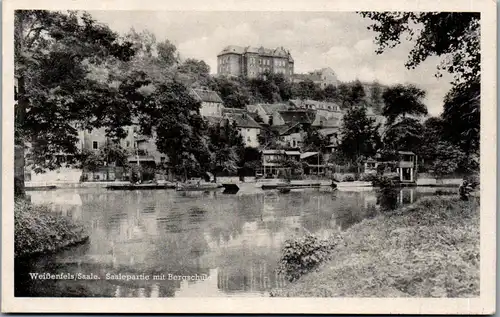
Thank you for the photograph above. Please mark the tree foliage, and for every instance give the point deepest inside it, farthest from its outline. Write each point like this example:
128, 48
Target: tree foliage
56, 55
455, 36
401, 100
405, 135
359, 135
461, 116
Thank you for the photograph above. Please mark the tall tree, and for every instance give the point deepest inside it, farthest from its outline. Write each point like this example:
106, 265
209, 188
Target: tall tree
404, 135
344, 96
330, 93
401, 100
462, 116
376, 100
359, 135
453, 36
315, 141
358, 93
225, 145
172, 115
54, 54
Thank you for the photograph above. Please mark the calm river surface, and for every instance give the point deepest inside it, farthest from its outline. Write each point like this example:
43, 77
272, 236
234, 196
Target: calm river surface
228, 244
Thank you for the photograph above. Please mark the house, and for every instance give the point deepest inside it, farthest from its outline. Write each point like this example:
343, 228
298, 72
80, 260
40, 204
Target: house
325, 109
322, 77
268, 111
249, 129
272, 160
211, 103
293, 117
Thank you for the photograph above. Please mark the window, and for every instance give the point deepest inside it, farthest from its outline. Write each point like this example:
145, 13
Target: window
248, 139
128, 143
162, 159
95, 145
248, 130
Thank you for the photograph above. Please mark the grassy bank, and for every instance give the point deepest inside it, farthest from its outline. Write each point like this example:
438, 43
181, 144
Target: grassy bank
429, 249
37, 230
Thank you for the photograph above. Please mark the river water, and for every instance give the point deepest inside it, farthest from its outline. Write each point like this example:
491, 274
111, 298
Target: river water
189, 243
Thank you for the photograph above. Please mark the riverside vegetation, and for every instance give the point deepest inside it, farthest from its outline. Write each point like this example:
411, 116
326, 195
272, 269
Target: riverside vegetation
428, 249
38, 230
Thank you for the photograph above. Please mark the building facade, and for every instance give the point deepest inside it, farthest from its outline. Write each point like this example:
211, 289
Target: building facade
211, 103
322, 77
252, 62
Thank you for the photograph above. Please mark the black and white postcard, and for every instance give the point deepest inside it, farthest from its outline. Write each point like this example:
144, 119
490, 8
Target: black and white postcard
249, 156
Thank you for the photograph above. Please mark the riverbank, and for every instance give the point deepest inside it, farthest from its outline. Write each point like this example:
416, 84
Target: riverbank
428, 249
37, 230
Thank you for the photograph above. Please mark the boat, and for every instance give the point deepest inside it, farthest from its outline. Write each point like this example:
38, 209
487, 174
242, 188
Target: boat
198, 187
291, 186
140, 186
37, 188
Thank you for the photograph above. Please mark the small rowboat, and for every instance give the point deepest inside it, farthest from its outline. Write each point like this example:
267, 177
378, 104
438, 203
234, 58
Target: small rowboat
140, 186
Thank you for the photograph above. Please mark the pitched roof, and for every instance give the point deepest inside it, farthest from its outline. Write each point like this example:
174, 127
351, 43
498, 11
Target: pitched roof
204, 95
307, 154
293, 117
328, 131
272, 108
252, 108
234, 110
235, 49
242, 120
325, 105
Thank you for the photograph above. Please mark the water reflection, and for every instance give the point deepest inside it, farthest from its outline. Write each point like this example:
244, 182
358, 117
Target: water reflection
234, 240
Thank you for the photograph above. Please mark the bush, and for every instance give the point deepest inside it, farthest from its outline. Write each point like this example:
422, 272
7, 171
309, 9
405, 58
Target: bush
384, 181
368, 177
302, 255
349, 178
38, 230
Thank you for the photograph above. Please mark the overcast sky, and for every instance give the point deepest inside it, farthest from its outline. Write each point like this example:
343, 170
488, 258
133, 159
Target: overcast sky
339, 40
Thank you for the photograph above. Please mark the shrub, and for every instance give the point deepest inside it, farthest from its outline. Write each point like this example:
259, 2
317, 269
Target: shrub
349, 178
368, 177
135, 174
384, 181
302, 255
38, 230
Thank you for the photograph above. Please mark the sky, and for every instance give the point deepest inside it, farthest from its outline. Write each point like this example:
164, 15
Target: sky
339, 40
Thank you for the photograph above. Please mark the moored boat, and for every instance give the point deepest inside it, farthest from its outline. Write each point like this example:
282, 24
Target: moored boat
140, 186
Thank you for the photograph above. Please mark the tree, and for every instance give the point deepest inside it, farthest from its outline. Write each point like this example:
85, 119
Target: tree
357, 94
376, 100
315, 141
268, 138
195, 71
330, 93
234, 92
305, 89
461, 116
344, 96
359, 135
226, 146
406, 134
452, 34
172, 115
113, 153
401, 100
55, 54
447, 159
